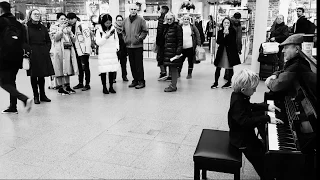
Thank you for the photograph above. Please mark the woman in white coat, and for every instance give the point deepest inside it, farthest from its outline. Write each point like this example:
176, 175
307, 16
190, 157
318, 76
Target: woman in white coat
108, 42
63, 54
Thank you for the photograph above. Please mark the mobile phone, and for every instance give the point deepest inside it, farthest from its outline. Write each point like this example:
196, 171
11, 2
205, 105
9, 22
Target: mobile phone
112, 32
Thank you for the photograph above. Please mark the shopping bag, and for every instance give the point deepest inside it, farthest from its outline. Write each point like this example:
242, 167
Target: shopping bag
154, 47
26, 63
200, 54
270, 47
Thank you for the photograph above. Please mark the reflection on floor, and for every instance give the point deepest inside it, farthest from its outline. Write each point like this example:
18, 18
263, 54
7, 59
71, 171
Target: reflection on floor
133, 134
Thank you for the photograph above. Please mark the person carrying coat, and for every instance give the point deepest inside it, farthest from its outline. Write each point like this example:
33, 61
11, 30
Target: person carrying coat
64, 56
191, 39
108, 42
227, 53
279, 33
40, 61
173, 42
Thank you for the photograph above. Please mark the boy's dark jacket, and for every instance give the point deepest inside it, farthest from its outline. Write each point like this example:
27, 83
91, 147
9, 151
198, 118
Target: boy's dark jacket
243, 117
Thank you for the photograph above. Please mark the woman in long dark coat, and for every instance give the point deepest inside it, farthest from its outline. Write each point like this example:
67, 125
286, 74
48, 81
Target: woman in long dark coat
172, 40
40, 64
279, 33
227, 54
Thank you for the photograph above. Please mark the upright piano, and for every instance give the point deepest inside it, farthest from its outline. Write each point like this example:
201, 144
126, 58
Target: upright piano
291, 147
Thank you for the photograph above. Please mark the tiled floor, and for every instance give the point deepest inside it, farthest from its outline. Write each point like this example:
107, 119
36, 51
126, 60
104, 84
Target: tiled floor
133, 134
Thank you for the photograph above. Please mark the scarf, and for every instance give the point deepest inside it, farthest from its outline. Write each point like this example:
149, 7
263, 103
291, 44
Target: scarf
118, 26
132, 18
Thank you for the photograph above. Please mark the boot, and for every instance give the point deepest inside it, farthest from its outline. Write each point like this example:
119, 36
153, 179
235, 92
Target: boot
105, 90
44, 98
189, 76
36, 100
111, 90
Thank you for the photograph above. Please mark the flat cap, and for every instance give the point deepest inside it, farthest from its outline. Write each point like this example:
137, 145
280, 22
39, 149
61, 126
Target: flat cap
293, 39
72, 16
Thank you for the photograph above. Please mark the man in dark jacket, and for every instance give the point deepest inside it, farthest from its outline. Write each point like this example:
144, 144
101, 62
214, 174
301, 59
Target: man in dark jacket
134, 32
198, 24
160, 43
295, 68
303, 25
11, 61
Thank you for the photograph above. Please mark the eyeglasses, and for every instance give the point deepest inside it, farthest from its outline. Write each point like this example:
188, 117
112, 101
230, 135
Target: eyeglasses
36, 14
169, 19
133, 9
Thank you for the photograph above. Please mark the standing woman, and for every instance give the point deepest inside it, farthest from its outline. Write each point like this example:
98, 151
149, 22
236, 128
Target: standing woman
40, 61
122, 53
227, 54
210, 29
108, 42
173, 40
279, 33
191, 39
64, 56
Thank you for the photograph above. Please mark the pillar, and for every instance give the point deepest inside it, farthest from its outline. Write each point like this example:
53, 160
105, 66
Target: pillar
283, 9
114, 7
260, 29
244, 3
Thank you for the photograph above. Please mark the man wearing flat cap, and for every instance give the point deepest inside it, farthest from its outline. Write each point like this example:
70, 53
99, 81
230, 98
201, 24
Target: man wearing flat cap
295, 67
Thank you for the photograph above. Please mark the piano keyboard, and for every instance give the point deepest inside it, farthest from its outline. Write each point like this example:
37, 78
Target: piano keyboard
280, 136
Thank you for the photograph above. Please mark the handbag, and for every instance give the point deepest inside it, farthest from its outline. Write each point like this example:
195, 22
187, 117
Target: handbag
26, 60
200, 54
154, 47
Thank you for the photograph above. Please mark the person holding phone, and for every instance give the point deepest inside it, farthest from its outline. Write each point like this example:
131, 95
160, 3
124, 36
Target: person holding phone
64, 58
108, 43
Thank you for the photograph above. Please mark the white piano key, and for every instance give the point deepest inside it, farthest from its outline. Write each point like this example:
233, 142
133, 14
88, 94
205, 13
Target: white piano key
271, 114
273, 137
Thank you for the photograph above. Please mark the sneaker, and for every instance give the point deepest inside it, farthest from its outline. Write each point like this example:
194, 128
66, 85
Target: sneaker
10, 111
70, 90
133, 84
140, 85
79, 86
169, 78
189, 76
86, 87
227, 85
170, 88
63, 92
28, 105
162, 76
214, 86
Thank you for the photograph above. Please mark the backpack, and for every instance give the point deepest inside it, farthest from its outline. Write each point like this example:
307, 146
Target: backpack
311, 27
11, 39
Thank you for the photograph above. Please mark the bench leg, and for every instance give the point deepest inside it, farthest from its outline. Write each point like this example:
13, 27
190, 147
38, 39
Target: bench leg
237, 175
196, 172
204, 174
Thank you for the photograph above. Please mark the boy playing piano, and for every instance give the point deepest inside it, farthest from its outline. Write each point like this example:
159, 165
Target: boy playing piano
244, 117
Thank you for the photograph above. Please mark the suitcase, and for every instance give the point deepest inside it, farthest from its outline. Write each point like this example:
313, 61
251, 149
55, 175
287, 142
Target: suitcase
266, 70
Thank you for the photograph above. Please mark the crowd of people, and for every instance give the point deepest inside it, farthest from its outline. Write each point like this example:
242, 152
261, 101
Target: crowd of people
64, 51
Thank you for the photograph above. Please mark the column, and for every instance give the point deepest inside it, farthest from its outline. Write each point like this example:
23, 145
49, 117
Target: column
283, 9
244, 3
114, 8
260, 29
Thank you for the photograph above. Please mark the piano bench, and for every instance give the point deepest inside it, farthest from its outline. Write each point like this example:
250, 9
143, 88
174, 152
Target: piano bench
215, 153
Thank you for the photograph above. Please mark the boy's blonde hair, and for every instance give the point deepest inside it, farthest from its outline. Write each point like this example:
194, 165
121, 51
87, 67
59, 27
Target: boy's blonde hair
245, 79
